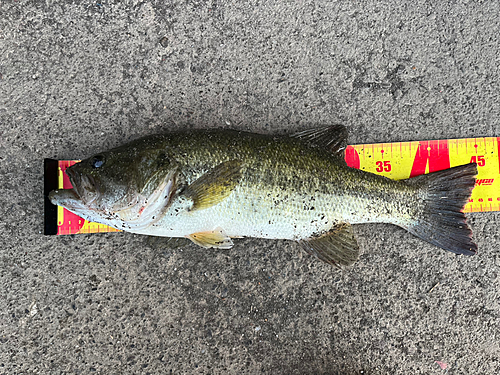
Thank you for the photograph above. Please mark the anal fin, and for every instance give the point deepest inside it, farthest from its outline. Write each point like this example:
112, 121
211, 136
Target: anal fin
216, 238
337, 247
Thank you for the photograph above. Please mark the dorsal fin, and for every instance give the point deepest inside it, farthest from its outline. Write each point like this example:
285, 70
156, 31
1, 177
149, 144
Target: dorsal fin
332, 138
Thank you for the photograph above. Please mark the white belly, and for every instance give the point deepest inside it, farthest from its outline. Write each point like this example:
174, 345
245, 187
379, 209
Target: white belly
248, 215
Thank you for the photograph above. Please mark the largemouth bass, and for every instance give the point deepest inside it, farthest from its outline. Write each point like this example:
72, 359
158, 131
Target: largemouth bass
215, 185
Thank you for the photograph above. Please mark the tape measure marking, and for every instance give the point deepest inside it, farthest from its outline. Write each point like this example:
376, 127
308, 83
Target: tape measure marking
411, 159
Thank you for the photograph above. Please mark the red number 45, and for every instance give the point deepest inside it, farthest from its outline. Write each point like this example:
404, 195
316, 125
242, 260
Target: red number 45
383, 166
479, 160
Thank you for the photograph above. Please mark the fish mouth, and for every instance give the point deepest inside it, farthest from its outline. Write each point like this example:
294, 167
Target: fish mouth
84, 186
67, 198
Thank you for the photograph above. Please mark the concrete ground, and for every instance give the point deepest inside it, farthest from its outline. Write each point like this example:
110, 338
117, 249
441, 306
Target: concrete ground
81, 77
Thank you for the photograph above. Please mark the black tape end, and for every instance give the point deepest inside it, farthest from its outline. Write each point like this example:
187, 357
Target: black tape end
50, 177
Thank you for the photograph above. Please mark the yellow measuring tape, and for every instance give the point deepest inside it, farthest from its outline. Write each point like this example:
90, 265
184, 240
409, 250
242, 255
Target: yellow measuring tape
403, 160
399, 160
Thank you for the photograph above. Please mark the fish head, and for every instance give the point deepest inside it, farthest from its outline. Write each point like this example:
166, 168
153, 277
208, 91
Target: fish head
117, 186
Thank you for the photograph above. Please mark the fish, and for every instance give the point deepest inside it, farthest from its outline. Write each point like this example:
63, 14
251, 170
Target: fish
215, 185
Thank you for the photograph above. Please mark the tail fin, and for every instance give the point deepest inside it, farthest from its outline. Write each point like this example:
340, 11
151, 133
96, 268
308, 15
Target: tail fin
441, 221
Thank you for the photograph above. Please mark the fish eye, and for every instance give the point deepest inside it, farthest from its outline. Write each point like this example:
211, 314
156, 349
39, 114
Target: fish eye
97, 161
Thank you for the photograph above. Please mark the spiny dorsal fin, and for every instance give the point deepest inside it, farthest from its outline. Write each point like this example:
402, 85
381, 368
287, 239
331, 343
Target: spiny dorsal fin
331, 138
213, 238
338, 247
215, 185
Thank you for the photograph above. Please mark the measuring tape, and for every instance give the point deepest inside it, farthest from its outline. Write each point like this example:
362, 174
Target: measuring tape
399, 160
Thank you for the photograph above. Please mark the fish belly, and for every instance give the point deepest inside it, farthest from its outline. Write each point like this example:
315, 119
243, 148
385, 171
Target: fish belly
277, 215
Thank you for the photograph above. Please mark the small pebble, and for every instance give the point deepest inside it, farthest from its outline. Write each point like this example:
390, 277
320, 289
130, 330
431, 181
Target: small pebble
164, 42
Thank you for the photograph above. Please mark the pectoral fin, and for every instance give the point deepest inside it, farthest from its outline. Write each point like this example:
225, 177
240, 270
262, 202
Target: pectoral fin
213, 238
337, 247
214, 186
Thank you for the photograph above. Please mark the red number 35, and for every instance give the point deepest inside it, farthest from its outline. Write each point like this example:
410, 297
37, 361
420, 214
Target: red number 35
383, 166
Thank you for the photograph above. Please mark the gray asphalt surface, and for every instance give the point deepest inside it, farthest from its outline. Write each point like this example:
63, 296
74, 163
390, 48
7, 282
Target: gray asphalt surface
80, 78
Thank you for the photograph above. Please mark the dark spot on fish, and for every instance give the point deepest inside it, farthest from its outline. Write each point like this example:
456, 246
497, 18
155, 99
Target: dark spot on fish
162, 160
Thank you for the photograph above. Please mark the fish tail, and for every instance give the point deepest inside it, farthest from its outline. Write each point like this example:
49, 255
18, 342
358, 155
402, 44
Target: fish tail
441, 221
